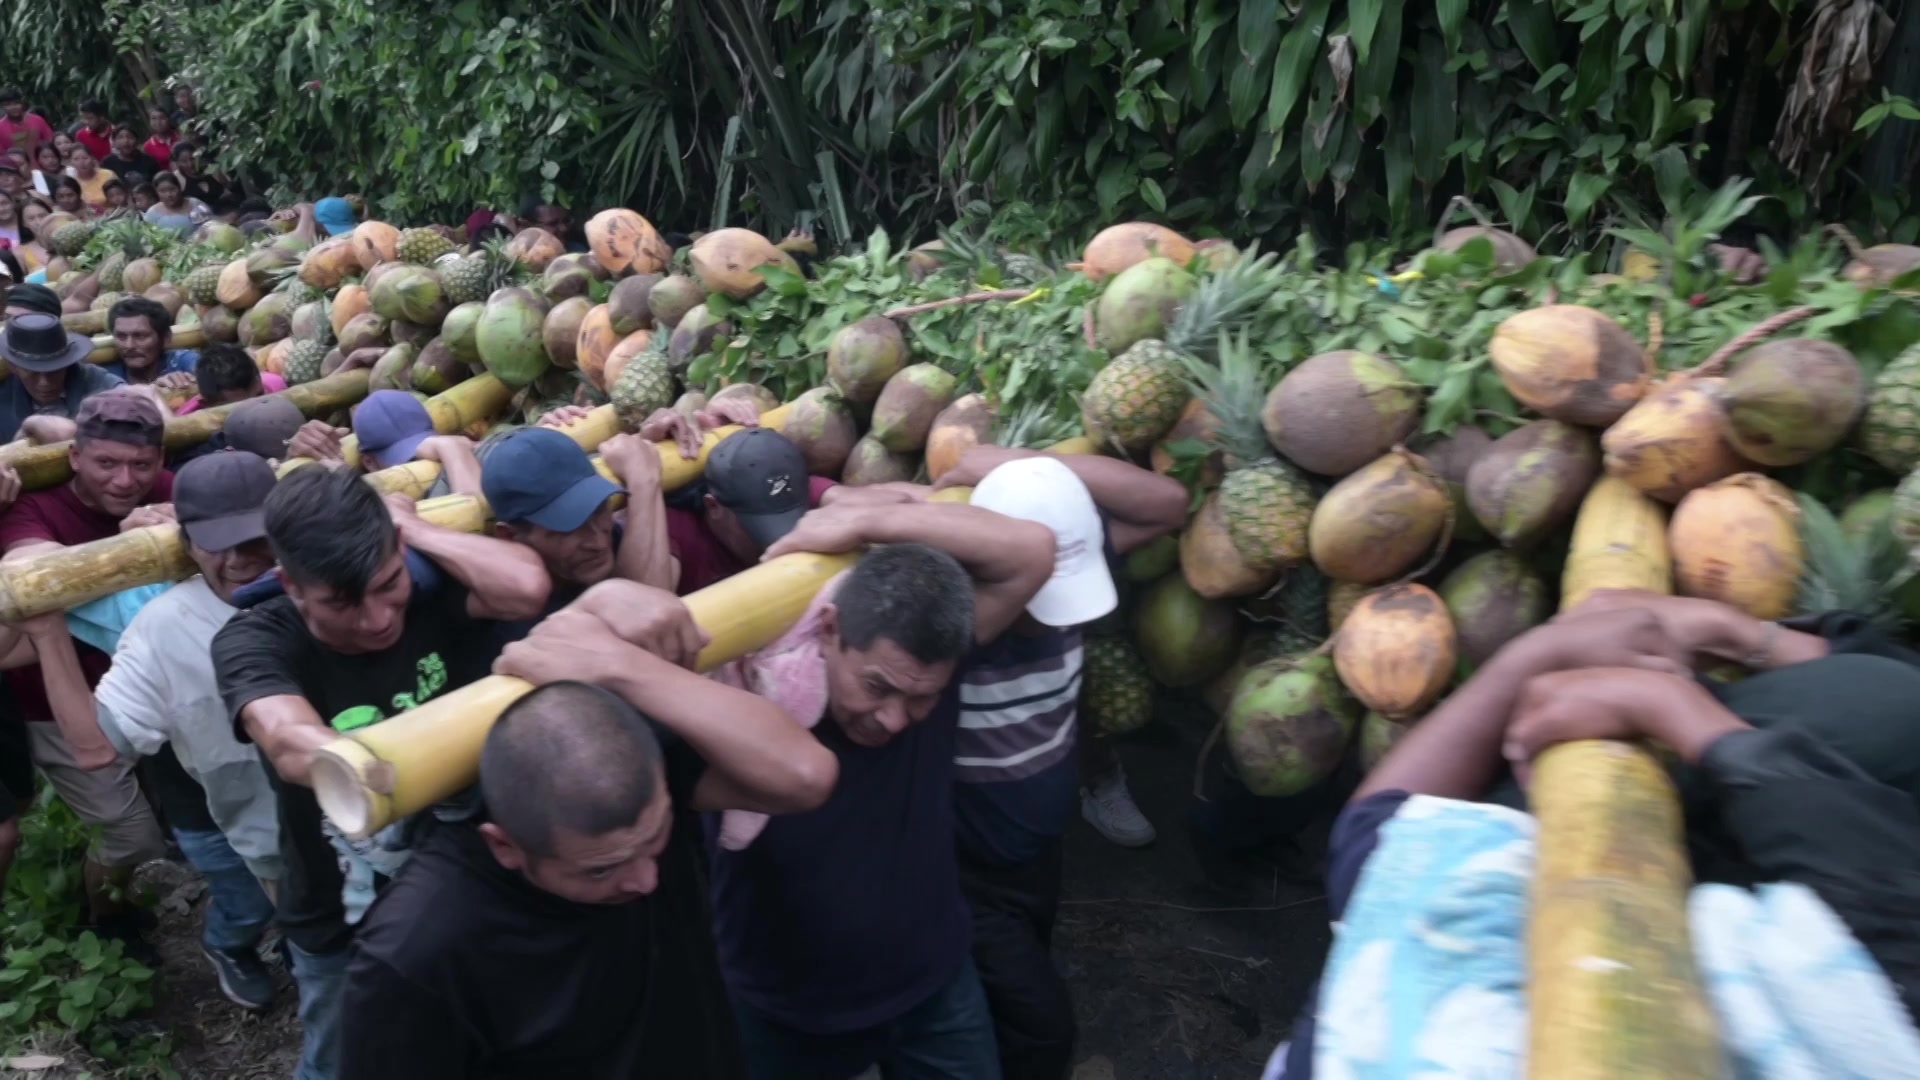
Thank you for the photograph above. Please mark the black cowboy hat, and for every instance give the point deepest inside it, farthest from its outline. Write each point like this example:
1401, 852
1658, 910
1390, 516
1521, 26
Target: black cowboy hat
40, 343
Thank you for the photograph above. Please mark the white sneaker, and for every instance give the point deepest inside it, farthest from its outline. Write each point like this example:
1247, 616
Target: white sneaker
1110, 809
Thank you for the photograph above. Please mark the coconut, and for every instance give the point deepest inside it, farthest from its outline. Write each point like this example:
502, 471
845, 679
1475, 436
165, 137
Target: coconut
437, 369
1337, 411
728, 262
220, 323
267, 265
1570, 363
351, 300
593, 343
236, 288
167, 295
413, 293
458, 330
1288, 725
1379, 734
1152, 561
364, 332
1396, 650
672, 297
332, 362
392, 370
870, 463
1738, 541
509, 339
822, 426
566, 279
410, 333
630, 347
267, 321
1139, 303
1216, 254
1257, 647
1510, 253
373, 276
960, 427
763, 399
1531, 480
1212, 563
561, 331
922, 263
329, 263
1671, 442
1493, 598
862, 357
1375, 525
374, 242
221, 236
1879, 265
140, 275
694, 336
627, 304
693, 401
1185, 638
310, 323
104, 302
624, 242
1452, 456
903, 414
1790, 401
1196, 426
536, 248
1120, 246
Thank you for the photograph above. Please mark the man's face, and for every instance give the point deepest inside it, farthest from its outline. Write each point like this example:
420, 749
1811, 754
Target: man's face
226, 572
372, 623
140, 347
726, 529
554, 219
44, 387
584, 556
11, 183
183, 97
876, 693
93, 120
229, 397
16, 110
124, 143
112, 476
613, 868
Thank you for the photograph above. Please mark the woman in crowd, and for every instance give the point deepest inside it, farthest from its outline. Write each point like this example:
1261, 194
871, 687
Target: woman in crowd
196, 184
64, 142
85, 168
33, 213
174, 210
119, 198
159, 145
67, 197
46, 168
15, 237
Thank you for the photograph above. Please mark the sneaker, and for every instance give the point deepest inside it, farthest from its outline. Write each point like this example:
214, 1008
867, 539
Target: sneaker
1108, 806
243, 977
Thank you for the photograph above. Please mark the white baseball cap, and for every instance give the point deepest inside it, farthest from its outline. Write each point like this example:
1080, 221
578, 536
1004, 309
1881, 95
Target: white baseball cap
1043, 489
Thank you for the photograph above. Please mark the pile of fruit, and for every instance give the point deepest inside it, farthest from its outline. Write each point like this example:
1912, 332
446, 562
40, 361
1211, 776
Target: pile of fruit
1397, 465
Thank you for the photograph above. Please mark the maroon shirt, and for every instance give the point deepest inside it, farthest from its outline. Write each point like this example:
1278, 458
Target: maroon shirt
703, 558
59, 516
100, 146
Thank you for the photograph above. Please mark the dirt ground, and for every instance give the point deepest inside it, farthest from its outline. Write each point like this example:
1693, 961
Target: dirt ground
1173, 978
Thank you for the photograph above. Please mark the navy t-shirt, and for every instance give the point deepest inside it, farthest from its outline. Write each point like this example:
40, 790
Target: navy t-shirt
844, 918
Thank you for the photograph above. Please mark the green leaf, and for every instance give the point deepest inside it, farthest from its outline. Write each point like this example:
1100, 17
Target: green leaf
1298, 53
1363, 18
1535, 30
1451, 13
1583, 191
1397, 153
1150, 192
1515, 206
1434, 111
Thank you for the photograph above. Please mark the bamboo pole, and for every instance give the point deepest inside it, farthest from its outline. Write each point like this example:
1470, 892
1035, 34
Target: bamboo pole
49, 465
106, 352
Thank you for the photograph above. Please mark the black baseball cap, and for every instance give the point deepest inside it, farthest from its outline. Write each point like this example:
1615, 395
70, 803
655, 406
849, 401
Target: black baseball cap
540, 477
221, 499
762, 477
263, 426
35, 298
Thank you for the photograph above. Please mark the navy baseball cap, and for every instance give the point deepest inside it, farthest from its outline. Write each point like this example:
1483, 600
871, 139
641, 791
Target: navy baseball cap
762, 477
392, 424
540, 477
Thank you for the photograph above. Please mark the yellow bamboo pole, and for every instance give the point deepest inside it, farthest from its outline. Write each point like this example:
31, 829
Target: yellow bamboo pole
1613, 991
48, 465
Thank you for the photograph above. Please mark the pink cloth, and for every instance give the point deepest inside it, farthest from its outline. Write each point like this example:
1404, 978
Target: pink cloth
269, 383
791, 673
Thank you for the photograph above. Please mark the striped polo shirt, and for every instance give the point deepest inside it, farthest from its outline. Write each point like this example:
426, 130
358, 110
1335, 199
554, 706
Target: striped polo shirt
1014, 752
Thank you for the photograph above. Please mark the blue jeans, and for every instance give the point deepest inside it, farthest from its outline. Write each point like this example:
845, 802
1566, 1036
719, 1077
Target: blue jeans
322, 980
238, 910
949, 1036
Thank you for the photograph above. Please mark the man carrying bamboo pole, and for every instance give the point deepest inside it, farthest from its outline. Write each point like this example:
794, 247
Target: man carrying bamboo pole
50, 375
143, 332
495, 951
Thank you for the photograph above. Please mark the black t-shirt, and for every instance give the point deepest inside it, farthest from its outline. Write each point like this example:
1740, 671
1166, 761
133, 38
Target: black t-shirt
266, 651
464, 969
181, 800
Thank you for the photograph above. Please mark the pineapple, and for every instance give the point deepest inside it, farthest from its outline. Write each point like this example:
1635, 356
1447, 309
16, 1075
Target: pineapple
1296, 611
71, 239
1032, 426
421, 246
1890, 433
1856, 563
477, 276
645, 385
203, 285
109, 272
303, 361
1267, 502
300, 292
1116, 696
1134, 400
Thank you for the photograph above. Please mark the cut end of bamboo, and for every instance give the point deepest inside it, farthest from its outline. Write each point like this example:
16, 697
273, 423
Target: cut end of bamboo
352, 787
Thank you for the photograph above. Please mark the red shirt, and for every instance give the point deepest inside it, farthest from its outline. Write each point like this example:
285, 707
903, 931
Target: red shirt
100, 146
161, 151
703, 558
29, 133
58, 515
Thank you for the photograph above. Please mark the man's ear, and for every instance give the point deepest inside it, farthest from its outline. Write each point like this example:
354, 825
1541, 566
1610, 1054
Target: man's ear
505, 851
830, 622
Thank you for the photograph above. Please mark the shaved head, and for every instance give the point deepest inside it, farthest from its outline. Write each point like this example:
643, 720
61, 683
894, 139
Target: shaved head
568, 756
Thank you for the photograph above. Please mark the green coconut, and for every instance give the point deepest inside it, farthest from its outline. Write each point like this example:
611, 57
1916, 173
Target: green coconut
1288, 725
1451, 456
310, 323
413, 293
695, 335
436, 370
1378, 734
1185, 637
1531, 480
862, 357
364, 331
903, 413
224, 237
459, 328
672, 297
569, 276
1493, 598
1139, 303
393, 370
1337, 411
1790, 401
510, 338
822, 426
1153, 561
627, 304
267, 321
1863, 518
870, 463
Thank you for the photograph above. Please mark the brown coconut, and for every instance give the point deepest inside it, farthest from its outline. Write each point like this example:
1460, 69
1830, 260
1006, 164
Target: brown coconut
1196, 424
1570, 363
1211, 563
1737, 541
1879, 265
960, 427
561, 331
1216, 254
1790, 401
1451, 456
374, 242
728, 261
695, 335
236, 288
1510, 253
393, 370
627, 304
1670, 442
536, 248
763, 399
167, 295
140, 275
1117, 247
626, 243
1493, 598
1376, 524
1531, 480
350, 301
672, 297
870, 463
822, 426
593, 344
922, 263
220, 323
1397, 649
634, 344
904, 412
1337, 411
861, 358
364, 332
332, 362
267, 321
329, 263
